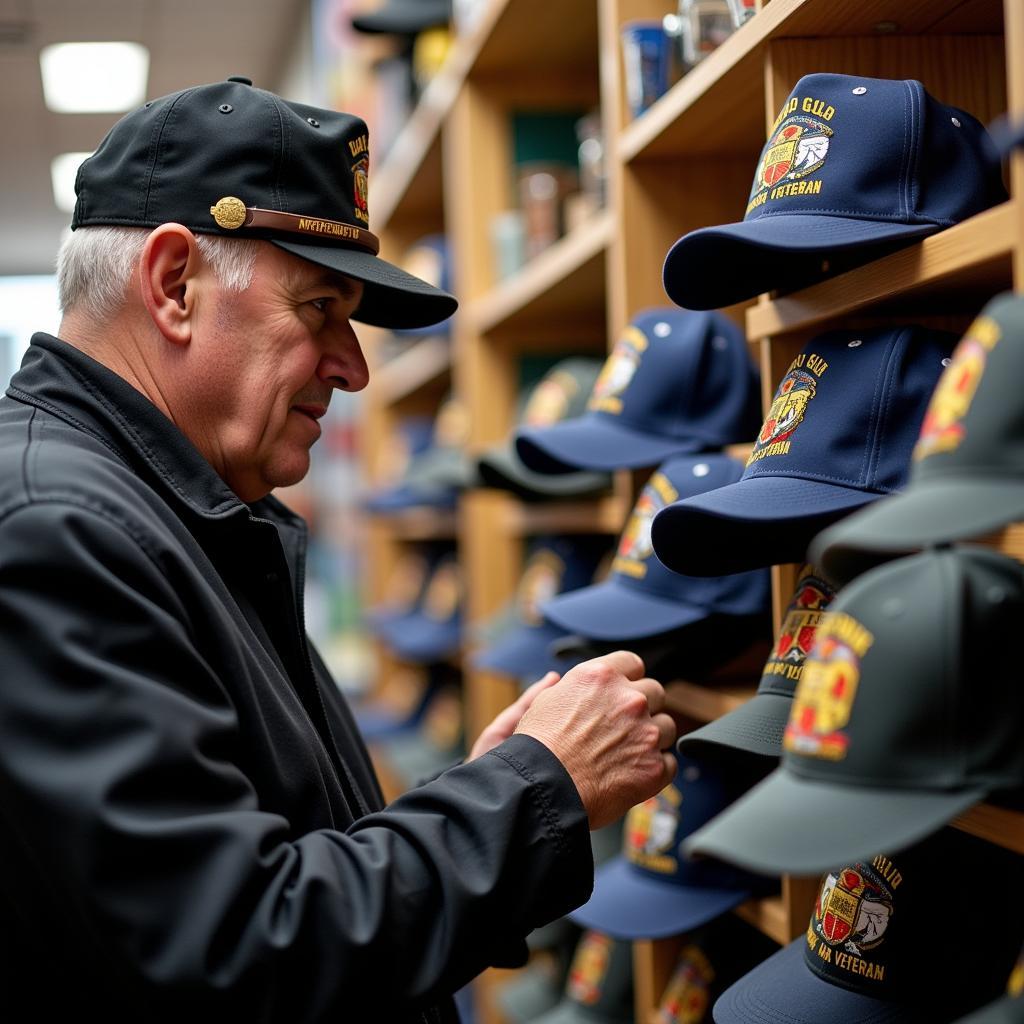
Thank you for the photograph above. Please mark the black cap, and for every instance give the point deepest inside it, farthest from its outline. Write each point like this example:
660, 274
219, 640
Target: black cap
228, 159
908, 713
404, 17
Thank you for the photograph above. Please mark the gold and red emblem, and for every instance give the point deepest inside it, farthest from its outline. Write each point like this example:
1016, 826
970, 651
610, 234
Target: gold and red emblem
943, 429
796, 637
589, 968
618, 370
635, 544
549, 401
361, 189
852, 911
687, 994
650, 831
824, 697
798, 148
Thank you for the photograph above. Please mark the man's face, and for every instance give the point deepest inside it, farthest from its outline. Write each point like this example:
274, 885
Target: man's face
264, 364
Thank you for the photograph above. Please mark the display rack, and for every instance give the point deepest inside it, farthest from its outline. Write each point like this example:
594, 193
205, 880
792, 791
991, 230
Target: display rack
685, 163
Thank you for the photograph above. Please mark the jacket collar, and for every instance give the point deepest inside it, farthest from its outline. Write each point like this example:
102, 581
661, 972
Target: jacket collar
89, 396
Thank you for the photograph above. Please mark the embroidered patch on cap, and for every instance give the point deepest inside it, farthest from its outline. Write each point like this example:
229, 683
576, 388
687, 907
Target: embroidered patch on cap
824, 697
803, 616
549, 401
618, 371
635, 545
851, 916
650, 832
942, 429
360, 177
542, 580
796, 389
687, 994
589, 968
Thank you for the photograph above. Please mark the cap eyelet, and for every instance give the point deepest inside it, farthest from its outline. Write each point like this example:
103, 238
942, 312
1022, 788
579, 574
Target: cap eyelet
313, 121
701, 469
946, 361
856, 343
956, 122
661, 329
225, 108
148, 103
860, 90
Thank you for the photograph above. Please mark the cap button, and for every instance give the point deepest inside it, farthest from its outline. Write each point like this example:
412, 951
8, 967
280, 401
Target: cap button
240, 78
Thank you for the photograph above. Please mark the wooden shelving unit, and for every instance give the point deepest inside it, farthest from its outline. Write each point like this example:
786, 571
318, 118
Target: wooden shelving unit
685, 163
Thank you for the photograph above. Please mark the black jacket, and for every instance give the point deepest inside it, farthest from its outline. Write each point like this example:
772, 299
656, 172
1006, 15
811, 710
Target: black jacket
190, 828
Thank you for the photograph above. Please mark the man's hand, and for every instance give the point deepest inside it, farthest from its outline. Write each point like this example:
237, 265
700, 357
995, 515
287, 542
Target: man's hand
604, 721
505, 724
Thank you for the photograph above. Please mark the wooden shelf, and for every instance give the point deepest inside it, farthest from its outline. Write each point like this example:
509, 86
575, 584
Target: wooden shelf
420, 524
974, 256
994, 824
767, 915
706, 703
421, 364
602, 515
567, 277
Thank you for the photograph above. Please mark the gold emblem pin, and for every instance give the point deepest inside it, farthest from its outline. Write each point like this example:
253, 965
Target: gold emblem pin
229, 213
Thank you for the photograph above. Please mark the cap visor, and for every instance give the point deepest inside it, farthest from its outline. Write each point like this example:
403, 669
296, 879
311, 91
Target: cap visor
391, 298
398, 499
1008, 1010
522, 652
783, 990
502, 468
931, 511
595, 442
755, 728
440, 469
765, 520
425, 640
628, 905
610, 611
795, 825
717, 266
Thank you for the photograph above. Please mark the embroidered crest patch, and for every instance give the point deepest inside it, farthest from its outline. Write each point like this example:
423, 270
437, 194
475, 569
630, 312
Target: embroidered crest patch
635, 545
618, 370
943, 429
824, 697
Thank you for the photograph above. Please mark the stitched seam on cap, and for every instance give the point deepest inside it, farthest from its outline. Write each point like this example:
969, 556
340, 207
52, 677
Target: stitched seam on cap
279, 160
918, 128
843, 211
908, 143
872, 449
156, 141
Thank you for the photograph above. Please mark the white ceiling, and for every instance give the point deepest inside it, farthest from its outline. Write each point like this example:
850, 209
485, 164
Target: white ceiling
190, 42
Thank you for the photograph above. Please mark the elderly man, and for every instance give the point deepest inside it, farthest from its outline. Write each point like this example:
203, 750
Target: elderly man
190, 825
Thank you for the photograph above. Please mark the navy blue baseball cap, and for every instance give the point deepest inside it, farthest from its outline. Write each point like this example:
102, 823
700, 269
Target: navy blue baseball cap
411, 438
434, 630
554, 565
404, 587
839, 434
756, 727
652, 891
916, 937
641, 597
674, 382
853, 168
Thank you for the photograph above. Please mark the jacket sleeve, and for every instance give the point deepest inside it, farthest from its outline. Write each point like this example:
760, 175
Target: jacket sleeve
146, 853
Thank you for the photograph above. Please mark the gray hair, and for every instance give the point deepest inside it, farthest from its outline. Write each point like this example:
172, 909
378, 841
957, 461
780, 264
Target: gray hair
95, 265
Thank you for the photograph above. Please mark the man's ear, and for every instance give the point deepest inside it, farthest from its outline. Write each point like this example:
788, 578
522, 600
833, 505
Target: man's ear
168, 269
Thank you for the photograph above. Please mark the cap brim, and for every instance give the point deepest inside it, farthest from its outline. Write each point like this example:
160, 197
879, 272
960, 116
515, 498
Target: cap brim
440, 469
783, 990
502, 468
930, 511
1008, 1010
763, 520
402, 18
795, 825
594, 442
422, 639
391, 298
755, 727
398, 499
628, 905
523, 652
610, 611
717, 266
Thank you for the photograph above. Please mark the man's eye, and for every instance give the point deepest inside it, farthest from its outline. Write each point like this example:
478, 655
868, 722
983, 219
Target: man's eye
320, 304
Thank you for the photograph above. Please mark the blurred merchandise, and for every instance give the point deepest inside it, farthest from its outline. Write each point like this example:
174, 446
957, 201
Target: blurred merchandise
508, 242
394, 97
543, 188
591, 157
742, 10
428, 54
403, 17
705, 25
647, 59
466, 15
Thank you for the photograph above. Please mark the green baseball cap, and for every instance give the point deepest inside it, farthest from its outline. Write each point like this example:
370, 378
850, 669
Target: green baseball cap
561, 394
908, 713
967, 476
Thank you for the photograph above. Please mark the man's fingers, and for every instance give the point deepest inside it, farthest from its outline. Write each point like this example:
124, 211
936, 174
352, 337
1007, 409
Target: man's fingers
670, 766
667, 731
629, 664
526, 698
653, 691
